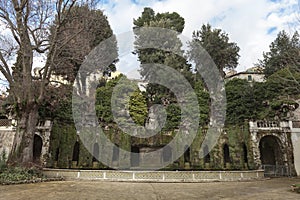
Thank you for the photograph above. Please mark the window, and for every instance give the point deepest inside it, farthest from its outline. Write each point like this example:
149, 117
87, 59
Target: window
249, 78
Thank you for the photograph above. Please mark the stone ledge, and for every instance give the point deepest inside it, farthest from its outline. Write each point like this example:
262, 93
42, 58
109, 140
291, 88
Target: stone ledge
154, 176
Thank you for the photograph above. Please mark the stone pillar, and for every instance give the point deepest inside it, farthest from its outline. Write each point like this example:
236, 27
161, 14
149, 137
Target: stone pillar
44, 132
296, 150
254, 144
6, 141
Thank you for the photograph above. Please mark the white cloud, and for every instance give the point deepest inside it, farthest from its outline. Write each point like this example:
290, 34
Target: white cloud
253, 24
248, 22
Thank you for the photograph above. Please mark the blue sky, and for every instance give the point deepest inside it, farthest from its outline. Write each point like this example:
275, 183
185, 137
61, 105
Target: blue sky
253, 24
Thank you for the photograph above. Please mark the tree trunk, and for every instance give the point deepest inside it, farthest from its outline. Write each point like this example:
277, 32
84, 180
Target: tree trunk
22, 149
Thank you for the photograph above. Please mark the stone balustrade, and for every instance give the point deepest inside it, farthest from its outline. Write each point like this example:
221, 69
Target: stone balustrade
154, 176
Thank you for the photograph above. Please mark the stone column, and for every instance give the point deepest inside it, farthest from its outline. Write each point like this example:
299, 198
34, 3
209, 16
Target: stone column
254, 144
296, 149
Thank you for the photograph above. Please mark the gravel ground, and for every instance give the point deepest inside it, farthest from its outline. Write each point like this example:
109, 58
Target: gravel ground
276, 188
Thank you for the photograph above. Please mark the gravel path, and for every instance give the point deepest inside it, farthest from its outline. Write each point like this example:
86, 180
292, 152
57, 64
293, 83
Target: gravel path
277, 188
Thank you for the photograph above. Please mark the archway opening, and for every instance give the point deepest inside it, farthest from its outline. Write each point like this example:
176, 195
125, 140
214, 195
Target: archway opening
226, 154
56, 154
167, 154
206, 154
116, 152
270, 151
76, 149
135, 156
187, 154
245, 154
37, 148
96, 152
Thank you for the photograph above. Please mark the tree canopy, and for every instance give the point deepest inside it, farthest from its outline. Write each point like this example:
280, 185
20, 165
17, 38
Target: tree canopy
86, 28
216, 42
167, 20
43, 28
273, 99
284, 52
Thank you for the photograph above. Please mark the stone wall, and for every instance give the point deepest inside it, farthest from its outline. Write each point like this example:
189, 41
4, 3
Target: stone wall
296, 146
281, 132
43, 130
7, 135
242, 143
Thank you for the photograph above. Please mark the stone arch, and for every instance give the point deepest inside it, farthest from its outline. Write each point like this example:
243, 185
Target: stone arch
76, 151
95, 152
116, 152
56, 154
245, 154
226, 154
37, 148
134, 158
167, 153
270, 149
187, 154
206, 154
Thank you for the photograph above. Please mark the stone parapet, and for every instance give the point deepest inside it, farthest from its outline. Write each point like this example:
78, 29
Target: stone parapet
154, 176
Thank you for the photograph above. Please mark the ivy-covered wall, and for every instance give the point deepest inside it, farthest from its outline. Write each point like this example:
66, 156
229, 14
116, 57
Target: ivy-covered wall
64, 138
62, 141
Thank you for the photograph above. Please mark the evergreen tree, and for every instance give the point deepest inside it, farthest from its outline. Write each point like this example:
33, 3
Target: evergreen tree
169, 43
224, 53
136, 102
84, 29
284, 52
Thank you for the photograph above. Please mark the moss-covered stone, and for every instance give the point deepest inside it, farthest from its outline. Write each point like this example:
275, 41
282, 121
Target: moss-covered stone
64, 137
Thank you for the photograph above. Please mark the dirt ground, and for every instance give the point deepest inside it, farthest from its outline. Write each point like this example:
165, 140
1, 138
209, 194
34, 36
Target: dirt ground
276, 188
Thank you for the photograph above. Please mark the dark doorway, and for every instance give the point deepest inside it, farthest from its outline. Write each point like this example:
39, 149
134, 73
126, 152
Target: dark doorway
115, 157
167, 154
37, 148
270, 153
187, 154
135, 156
206, 154
76, 152
226, 154
96, 152
245, 153
56, 154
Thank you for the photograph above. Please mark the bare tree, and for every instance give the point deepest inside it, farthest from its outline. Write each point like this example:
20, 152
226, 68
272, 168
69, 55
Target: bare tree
30, 24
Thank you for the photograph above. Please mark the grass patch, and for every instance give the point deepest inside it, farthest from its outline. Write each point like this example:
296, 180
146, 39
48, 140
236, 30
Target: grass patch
296, 187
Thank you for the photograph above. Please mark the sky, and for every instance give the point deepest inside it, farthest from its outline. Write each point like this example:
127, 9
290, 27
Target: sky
252, 24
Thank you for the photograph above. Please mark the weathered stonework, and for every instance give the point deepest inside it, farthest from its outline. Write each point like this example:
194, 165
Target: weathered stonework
158, 176
43, 130
281, 133
7, 135
295, 137
238, 148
